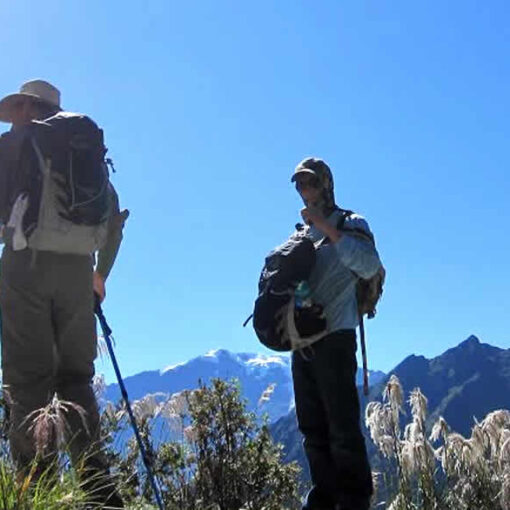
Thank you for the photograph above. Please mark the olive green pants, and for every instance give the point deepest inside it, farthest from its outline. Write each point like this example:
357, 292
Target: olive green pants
49, 344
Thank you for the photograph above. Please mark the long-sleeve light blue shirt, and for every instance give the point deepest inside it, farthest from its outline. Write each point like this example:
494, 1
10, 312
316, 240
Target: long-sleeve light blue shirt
333, 279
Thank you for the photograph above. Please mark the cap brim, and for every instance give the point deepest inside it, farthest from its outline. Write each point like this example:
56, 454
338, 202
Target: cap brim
7, 103
302, 171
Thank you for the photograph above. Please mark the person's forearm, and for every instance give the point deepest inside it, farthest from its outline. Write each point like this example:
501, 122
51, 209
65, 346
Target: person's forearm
107, 255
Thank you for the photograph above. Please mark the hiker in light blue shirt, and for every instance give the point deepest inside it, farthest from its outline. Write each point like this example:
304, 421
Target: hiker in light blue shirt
338, 265
327, 403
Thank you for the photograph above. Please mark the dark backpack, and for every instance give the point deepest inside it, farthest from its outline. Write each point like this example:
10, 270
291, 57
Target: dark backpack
64, 155
74, 145
278, 325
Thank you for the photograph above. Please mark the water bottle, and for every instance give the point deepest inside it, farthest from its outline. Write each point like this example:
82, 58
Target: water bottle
302, 295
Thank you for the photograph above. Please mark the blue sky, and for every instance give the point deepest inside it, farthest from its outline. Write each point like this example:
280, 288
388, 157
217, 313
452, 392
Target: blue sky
208, 105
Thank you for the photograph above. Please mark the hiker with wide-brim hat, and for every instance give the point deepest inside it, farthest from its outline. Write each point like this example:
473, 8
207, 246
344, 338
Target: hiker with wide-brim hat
324, 374
51, 267
36, 99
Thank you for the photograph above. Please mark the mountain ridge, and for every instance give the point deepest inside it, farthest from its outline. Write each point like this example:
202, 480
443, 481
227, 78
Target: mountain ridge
255, 371
462, 384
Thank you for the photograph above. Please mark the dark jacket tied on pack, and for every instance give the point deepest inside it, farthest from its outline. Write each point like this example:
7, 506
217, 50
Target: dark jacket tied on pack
55, 188
277, 322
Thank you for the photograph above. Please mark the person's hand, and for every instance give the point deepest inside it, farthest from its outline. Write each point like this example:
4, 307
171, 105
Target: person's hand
313, 215
99, 286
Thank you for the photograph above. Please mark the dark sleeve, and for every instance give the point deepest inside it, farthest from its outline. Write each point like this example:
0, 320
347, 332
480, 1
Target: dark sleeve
107, 255
7, 159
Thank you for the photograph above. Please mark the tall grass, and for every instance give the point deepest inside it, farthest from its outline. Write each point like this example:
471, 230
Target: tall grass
439, 469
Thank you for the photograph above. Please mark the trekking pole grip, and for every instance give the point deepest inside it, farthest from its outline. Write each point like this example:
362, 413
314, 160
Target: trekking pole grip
100, 315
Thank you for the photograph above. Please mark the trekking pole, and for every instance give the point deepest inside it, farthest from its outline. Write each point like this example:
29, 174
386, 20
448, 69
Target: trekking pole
364, 355
107, 336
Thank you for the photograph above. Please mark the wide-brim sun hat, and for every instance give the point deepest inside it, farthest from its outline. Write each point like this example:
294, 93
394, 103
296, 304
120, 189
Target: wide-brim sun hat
39, 90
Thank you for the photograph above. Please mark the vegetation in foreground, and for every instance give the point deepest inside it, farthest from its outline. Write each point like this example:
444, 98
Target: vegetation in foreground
209, 453
439, 470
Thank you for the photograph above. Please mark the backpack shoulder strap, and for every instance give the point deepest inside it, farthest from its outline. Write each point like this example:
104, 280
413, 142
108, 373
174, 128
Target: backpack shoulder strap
363, 234
346, 213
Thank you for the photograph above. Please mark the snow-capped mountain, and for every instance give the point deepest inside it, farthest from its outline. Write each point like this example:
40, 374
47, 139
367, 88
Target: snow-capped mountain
266, 381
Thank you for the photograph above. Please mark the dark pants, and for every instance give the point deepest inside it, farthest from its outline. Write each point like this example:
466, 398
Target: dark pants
328, 413
48, 344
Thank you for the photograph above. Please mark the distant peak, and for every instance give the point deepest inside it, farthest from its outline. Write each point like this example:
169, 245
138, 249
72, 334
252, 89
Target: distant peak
212, 353
217, 354
471, 340
414, 358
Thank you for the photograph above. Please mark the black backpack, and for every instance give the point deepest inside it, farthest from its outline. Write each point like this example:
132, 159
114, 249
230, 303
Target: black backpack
278, 325
73, 146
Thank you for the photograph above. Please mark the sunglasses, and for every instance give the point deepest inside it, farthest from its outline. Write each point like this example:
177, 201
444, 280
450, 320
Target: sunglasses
309, 182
